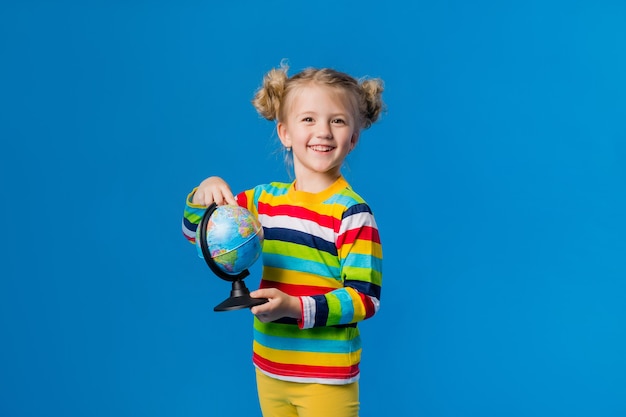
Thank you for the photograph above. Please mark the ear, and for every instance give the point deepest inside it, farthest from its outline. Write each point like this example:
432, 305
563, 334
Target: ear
281, 129
354, 140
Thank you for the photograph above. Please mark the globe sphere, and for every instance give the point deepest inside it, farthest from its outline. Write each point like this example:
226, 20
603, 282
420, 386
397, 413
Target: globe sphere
234, 238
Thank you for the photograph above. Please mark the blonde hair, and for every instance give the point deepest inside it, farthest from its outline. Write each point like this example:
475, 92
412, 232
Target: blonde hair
365, 94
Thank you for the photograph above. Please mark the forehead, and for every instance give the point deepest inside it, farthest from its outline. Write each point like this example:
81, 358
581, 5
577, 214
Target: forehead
312, 94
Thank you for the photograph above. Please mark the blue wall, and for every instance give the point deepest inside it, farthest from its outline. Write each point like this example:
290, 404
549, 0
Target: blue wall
497, 178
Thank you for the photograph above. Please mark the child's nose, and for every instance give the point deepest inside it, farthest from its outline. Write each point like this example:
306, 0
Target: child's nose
324, 131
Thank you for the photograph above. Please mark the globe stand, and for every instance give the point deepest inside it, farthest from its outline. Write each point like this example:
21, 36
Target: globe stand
239, 294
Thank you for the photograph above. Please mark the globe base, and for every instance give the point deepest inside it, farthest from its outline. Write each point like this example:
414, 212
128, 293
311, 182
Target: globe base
239, 298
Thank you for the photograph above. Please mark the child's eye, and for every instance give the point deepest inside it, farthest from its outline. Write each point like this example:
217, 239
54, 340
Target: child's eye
307, 119
339, 121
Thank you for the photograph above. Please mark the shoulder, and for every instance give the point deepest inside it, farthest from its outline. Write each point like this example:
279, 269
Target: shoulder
270, 190
264, 192
276, 187
349, 200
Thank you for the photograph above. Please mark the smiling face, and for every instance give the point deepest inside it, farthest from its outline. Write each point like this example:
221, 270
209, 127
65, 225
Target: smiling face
321, 129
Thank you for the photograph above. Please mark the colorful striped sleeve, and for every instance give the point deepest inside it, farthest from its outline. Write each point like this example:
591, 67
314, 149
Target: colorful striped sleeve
191, 217
360, 253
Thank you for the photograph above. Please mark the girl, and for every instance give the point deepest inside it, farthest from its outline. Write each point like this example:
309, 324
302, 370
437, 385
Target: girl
322, 256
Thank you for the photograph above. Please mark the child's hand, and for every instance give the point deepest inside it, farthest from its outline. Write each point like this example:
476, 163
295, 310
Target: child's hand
213, 190
279, 305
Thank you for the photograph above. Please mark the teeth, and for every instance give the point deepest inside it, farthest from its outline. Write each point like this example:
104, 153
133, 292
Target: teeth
321, 148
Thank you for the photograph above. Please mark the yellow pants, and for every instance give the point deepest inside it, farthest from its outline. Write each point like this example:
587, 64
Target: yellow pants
293, 399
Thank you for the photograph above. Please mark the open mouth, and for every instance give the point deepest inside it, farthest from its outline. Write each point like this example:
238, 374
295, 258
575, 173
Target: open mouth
321, 148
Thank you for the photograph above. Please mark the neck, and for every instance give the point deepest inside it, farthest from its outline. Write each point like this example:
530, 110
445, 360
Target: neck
315, 183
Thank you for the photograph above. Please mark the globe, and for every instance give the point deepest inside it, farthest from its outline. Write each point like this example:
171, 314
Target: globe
234, 238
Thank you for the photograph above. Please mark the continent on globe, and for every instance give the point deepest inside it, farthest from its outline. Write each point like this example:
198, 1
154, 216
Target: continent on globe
234, 238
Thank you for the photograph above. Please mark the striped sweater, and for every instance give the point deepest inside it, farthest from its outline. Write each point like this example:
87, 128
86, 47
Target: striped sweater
325, 249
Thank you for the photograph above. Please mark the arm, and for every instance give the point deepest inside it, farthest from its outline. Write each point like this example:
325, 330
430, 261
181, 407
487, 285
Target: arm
360, 253
212, 189
360, 256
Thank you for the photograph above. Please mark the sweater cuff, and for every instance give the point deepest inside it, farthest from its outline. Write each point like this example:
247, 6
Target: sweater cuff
190, 199
308, 313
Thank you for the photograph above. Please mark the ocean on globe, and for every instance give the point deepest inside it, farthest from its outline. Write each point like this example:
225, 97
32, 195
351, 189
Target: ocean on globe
234, 238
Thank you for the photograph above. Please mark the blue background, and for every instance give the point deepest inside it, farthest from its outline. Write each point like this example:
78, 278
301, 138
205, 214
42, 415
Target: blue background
497, 176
